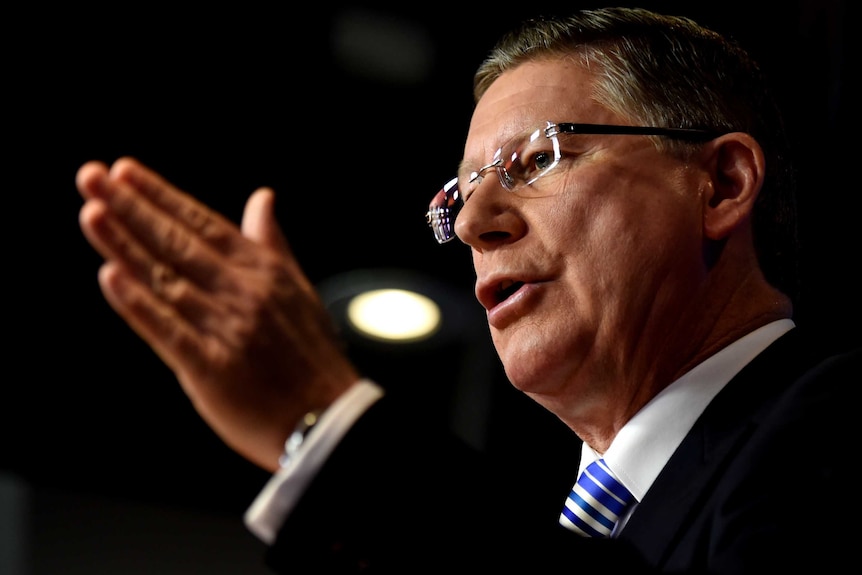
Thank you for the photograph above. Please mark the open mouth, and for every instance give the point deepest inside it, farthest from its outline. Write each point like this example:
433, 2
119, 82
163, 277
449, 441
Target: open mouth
506, 289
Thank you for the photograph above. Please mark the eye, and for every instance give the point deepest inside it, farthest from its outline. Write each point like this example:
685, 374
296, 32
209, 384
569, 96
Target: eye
543, 160
530, 163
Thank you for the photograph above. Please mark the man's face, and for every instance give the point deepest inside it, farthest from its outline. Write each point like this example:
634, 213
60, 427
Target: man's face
584, 285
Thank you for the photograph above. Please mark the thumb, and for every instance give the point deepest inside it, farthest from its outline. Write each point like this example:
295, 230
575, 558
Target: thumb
259, 223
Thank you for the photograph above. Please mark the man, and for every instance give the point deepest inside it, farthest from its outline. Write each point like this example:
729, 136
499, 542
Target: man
626, 197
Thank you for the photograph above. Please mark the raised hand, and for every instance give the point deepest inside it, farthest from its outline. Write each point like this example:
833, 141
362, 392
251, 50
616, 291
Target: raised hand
227, 309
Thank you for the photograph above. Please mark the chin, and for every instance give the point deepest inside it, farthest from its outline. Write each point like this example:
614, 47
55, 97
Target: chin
538, 366
528, 371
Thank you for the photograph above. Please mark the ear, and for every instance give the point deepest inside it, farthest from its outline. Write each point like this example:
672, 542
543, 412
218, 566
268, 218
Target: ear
737, 167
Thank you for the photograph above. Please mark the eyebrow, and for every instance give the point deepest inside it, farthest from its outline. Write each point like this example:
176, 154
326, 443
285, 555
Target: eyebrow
466, 166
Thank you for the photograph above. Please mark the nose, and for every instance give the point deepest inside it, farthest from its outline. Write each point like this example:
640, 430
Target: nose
490, 216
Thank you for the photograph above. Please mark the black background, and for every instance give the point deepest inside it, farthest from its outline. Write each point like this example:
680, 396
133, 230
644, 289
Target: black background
223, 100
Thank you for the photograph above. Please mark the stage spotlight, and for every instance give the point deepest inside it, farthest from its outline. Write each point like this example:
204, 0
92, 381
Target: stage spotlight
444, 361
399, 307
394, 315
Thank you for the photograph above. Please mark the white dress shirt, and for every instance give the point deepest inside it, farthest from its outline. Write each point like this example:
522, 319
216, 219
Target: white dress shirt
643, 446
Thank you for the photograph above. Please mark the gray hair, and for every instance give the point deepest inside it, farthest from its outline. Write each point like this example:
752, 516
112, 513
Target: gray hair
669, 71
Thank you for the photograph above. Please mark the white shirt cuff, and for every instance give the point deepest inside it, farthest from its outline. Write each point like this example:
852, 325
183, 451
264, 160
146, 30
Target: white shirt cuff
278, 497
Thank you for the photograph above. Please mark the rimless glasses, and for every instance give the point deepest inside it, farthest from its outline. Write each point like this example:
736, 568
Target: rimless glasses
525, 159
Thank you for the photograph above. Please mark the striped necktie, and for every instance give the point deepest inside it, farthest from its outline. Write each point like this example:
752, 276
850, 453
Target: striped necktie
596, 502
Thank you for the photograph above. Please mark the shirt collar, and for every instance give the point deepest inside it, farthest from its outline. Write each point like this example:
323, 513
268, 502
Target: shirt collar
646, 442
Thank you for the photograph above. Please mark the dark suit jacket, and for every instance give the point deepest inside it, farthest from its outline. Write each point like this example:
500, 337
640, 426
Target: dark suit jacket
761, 484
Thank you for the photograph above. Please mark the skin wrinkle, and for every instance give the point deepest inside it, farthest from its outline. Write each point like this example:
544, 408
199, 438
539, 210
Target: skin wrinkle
239, 304
608, 249
630, 263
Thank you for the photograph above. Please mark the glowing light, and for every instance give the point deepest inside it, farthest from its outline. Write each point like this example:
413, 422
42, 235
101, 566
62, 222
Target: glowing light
394, 315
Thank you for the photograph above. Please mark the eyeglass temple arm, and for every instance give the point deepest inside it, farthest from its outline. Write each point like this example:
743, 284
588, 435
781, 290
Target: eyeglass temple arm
679, 133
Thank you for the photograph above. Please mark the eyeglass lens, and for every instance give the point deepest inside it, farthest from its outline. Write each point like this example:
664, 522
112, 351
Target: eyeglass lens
443, 210
518, 163
522, 161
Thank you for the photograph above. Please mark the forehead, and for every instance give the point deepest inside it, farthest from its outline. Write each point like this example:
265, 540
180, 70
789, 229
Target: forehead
560, 90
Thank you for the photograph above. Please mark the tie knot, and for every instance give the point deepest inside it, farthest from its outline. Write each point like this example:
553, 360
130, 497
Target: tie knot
596, 502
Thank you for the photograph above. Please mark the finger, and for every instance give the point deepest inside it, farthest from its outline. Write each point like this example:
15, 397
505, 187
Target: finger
207, 224
112, 240
259, 223
199, 309
90, 178
128, 185
140, 234
182, 348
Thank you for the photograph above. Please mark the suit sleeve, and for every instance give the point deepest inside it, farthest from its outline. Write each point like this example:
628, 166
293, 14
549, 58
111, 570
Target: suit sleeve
401, 494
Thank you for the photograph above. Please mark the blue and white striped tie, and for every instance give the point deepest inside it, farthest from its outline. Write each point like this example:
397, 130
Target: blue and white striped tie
596, 502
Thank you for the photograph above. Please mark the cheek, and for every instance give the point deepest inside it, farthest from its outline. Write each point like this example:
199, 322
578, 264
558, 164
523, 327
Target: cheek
622, 245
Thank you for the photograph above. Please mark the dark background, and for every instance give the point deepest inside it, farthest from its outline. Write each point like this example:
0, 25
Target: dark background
355, 113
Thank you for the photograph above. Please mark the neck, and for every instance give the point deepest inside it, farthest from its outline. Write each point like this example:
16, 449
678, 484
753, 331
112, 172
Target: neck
662, 355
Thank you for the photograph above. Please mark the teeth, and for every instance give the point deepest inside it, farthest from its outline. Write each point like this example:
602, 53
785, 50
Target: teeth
506, 284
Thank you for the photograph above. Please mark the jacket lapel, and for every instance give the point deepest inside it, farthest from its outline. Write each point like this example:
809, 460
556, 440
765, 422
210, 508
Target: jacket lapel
680, 494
